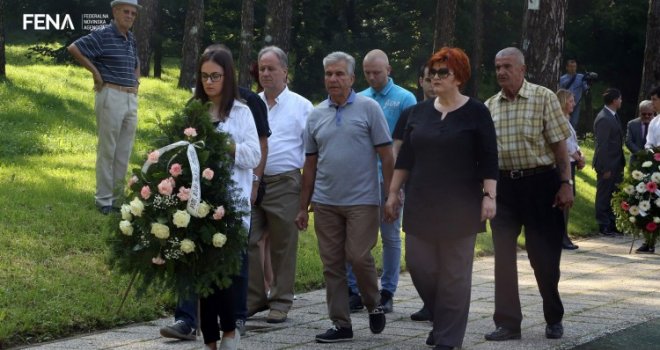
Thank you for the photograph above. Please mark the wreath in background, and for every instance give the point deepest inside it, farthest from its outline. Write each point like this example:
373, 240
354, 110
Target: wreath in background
180, 225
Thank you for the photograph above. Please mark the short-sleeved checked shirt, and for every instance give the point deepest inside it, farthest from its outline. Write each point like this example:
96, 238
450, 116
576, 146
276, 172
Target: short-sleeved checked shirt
527, 126
113, 54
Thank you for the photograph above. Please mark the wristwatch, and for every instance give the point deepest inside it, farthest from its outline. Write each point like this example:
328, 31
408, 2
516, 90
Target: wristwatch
255, 178
489, 195
569, 181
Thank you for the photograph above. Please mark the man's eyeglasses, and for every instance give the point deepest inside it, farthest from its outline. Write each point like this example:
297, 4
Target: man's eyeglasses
213, 76
440, 73
646, 114
129, 12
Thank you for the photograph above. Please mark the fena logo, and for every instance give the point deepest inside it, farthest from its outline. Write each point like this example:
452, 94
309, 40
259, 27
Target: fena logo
41, 21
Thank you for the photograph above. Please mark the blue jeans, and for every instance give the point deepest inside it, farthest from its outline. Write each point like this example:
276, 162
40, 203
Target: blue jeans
390, 234
186, 309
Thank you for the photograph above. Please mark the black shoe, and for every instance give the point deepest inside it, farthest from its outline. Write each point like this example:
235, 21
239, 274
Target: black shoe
443, 347
377, 320
335, 334
554, 331
502, 333
569, 246
422, 315
178, 330
106, 209
429, 339
645, 249
386, 301
354, 301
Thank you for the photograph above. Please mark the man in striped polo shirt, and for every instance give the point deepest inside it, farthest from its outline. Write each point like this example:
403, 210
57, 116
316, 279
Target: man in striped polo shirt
110, 54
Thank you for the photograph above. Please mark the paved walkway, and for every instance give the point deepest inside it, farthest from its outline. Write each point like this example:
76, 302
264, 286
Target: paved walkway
604, 289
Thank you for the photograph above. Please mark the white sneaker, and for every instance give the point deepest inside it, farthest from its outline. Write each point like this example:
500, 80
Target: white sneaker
230, 343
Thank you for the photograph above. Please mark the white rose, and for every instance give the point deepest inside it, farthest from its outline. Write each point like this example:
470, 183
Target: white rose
629, 189
187, 246
160, 231
634, 210
181, 219
126, 212
219, 240
125, 227
136, 207
655, 177
637, 175
656, 220
644, 205
657, 202
647, 164
632, 219
203, 209
641, 187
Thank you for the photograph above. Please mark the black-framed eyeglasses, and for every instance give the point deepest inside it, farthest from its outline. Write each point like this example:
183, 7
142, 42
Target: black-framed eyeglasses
440, 73
213, 76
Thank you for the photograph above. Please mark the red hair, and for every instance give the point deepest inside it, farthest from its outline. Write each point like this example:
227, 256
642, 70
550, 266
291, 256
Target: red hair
456, 60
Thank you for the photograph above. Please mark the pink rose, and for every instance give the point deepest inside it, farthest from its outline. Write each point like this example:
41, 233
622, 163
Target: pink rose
175, 169
184, 194
145, 192
158, 261
625, 206
132, 181
219, 213
651, 226
207, 174
153, 157
651, 187
190, 132
656, 156
165, 187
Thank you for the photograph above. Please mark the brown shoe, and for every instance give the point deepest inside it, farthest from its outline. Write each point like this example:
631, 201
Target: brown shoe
276, 316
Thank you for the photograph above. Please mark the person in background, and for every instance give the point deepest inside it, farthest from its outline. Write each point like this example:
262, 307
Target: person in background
638, 128
567, 102
609, 160
577, 84
534, 188
216, 83
110, 54
426, 86
450, 153
392, 99
344, 136
652, 141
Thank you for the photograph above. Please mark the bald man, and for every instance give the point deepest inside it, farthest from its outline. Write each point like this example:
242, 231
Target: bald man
393, 99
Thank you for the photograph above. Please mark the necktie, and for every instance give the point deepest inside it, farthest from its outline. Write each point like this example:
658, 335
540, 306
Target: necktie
645, 130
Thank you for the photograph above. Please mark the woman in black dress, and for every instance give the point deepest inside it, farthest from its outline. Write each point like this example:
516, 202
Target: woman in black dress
448, 162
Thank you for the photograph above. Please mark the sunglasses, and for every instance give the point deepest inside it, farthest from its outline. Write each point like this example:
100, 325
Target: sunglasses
440, 73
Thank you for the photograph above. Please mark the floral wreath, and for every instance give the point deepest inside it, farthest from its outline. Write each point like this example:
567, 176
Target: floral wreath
180, 226
637, 202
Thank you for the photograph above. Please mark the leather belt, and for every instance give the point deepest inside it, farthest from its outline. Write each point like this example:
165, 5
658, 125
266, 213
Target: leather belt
274, 178
520, 173
128, 89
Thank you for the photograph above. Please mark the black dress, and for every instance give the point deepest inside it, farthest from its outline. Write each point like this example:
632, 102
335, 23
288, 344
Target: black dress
447, 160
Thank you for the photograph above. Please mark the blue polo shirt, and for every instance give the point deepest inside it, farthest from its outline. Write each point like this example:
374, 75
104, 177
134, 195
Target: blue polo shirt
392, 99
113, 54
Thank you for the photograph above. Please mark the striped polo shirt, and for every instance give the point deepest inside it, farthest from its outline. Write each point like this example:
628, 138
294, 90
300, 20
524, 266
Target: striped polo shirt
114, 55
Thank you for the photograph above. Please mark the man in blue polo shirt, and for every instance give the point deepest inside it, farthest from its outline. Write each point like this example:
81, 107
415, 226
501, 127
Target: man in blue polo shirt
392, 99
110, 54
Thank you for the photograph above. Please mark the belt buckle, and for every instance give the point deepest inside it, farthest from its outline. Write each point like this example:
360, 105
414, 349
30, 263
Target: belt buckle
516, 174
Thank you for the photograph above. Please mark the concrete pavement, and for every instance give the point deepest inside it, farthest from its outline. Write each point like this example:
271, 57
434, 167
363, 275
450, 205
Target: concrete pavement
604, 289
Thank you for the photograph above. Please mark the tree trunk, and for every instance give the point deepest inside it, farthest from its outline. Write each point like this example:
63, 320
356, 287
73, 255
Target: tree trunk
651, 72
543, 41
3, 59
157, 44
144, 30
278, 23
192, 41
247, 29
477, 49
445, 22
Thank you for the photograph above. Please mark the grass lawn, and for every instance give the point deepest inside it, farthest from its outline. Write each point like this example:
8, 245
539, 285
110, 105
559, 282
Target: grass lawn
52, 262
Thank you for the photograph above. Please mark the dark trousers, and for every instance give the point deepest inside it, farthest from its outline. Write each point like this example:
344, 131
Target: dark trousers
219, 304
441, 270
604, 190
527, 202
566, 239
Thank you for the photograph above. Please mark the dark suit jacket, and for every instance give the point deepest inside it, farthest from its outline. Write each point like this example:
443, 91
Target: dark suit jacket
608, 133
634, 140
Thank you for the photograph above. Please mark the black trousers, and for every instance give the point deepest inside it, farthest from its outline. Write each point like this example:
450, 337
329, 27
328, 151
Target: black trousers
604, 190
527, 203
219, 304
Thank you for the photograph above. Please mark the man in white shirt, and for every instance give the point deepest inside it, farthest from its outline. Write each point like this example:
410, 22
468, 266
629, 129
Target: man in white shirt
287, 115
